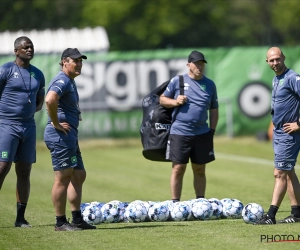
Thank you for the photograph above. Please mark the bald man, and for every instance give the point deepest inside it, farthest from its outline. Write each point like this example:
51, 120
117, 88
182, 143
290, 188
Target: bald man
286, 137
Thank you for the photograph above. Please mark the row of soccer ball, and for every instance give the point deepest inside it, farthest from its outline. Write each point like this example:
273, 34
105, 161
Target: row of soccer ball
197, 209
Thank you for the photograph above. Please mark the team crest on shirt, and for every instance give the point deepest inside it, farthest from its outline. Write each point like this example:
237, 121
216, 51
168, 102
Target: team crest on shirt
16, 75
203, 87
32, 74
281, 82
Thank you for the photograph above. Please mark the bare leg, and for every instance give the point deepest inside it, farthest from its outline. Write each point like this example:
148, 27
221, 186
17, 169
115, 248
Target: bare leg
280, 187
75, 189
4, 170
177, 174
199, 179
62, 180
293, 188
74, 197
23, 171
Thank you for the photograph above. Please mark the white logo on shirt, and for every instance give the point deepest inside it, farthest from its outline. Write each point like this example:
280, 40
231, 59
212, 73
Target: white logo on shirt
297, 78
16, 75
186, 86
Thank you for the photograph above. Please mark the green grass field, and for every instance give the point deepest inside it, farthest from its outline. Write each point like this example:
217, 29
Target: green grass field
116, 170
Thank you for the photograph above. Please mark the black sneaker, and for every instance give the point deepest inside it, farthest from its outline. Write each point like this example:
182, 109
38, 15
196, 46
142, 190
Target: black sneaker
290, 219
66, 227
266, 220
22, 223
83, 225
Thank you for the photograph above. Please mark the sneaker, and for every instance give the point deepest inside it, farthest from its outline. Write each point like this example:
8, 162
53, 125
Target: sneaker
83, 225
67, 227
290, 219
22, 223
266, 220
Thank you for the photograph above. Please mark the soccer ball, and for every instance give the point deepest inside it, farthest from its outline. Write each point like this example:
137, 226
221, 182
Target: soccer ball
217, 208
123, 206
191, 202
111, 212
84, 205
252, 212
168, 203
180, 211
202, 209
233, 209
136, 212
159, 211
98, 204
224, 201
92, 215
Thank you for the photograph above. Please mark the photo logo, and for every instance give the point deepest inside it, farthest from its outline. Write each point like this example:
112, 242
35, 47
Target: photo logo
265, 238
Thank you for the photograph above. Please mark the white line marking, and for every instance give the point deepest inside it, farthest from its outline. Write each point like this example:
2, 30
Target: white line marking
246, 159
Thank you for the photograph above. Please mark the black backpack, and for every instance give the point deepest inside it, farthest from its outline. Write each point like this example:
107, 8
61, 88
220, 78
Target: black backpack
156, 123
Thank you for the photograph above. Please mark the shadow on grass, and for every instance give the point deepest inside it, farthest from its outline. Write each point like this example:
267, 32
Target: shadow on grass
126, 226
33, 226
138, 225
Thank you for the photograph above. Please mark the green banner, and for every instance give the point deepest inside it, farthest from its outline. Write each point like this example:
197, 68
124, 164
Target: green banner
112, 86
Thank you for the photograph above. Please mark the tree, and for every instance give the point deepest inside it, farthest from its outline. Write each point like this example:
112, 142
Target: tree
285, 19
159, 24
39, 14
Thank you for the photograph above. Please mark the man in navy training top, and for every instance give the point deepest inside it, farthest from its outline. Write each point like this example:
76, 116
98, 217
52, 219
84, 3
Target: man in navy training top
61, 138
191, 137
286, 137
22, 91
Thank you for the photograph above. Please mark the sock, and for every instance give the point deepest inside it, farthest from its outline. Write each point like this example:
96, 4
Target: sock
60, 220
296, 211
76, 217
199, 196
272, 211
21, 207
175, 200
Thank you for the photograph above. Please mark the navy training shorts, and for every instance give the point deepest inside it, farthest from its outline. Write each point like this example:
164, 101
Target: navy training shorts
17, 143
286, 151
65, 154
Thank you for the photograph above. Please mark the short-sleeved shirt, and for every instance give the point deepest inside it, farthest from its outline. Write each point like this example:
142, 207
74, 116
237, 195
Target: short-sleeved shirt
68, 108
193, 115
19, 88
285, 101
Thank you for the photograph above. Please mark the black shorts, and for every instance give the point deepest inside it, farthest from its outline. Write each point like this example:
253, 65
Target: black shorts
199, 148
